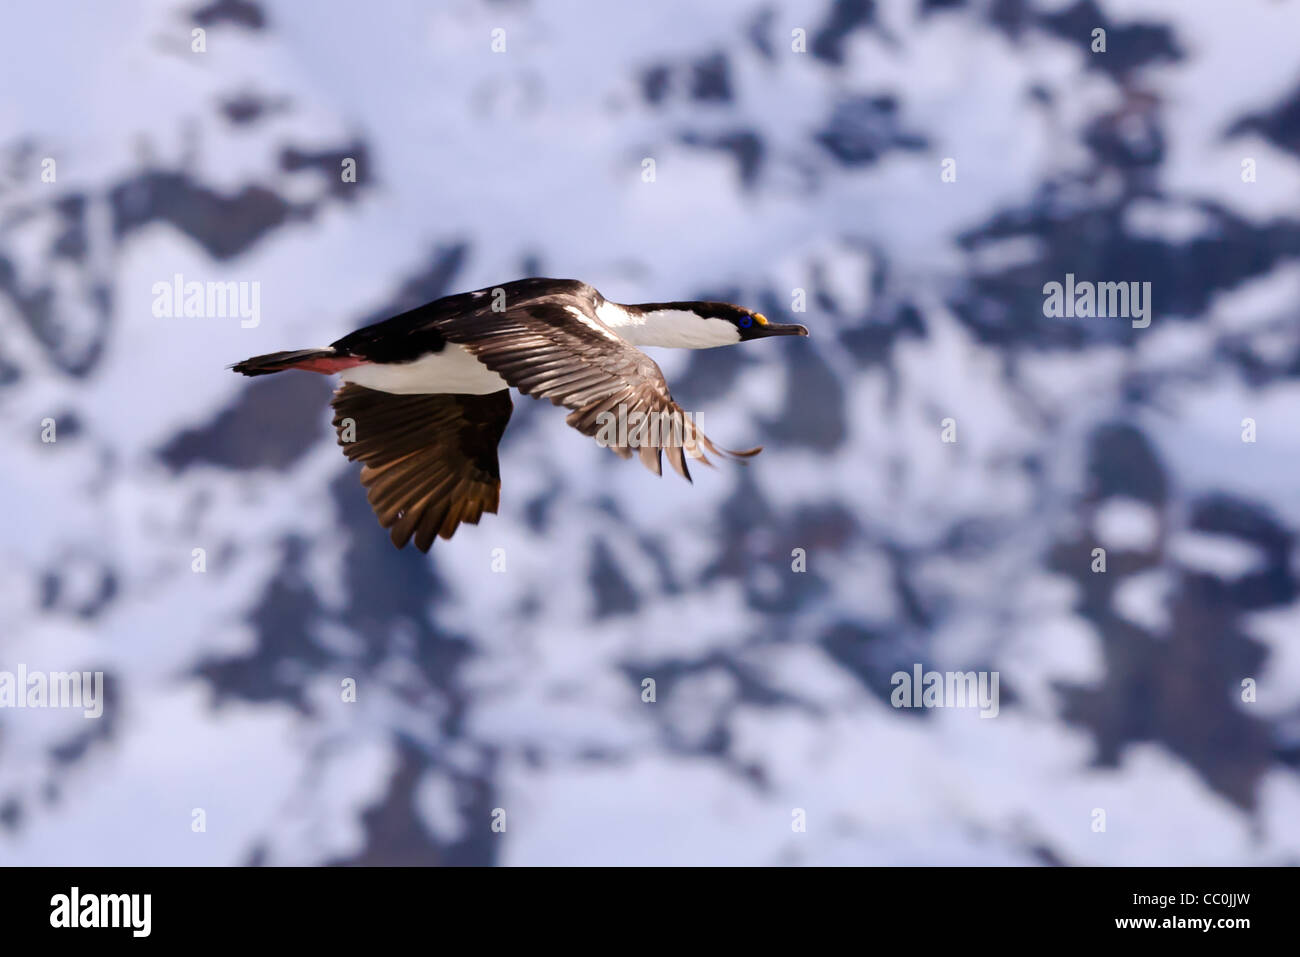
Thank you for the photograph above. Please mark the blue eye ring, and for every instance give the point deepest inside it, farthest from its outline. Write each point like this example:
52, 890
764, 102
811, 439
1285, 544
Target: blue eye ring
746, 321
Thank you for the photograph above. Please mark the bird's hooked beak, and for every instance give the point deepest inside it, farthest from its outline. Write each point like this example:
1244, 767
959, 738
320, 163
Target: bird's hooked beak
762, 328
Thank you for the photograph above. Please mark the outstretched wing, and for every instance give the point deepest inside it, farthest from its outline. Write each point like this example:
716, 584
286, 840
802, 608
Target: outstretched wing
617, 394
430, 460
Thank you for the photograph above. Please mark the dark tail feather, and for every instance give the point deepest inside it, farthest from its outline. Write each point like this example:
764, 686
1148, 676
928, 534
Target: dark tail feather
311, 359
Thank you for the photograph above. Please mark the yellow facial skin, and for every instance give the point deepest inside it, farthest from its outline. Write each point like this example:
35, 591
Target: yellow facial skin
760, 318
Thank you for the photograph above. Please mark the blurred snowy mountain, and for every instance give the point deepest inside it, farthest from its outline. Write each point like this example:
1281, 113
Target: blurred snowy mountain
795, 146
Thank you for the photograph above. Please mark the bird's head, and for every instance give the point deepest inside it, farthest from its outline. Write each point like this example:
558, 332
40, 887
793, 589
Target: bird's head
696, 325
750, 324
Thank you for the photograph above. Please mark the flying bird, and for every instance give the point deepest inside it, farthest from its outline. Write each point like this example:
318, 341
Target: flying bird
426, 394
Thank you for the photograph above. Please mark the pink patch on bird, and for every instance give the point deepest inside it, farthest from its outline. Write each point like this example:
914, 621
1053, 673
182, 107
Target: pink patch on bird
328, 366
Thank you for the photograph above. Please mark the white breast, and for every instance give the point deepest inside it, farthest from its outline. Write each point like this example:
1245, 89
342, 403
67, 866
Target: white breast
451, 370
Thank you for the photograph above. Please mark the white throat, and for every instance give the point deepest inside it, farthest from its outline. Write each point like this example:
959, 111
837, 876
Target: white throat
672, 328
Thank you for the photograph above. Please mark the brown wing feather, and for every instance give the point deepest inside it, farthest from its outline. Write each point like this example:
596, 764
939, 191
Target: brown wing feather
429, 460
543, 350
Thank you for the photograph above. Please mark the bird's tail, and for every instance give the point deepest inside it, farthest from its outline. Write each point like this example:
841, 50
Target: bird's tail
326, 361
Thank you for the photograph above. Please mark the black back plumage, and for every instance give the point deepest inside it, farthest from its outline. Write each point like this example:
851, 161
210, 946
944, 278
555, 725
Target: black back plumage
419, 331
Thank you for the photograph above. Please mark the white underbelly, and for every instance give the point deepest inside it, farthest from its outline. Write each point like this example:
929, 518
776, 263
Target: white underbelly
451, 370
